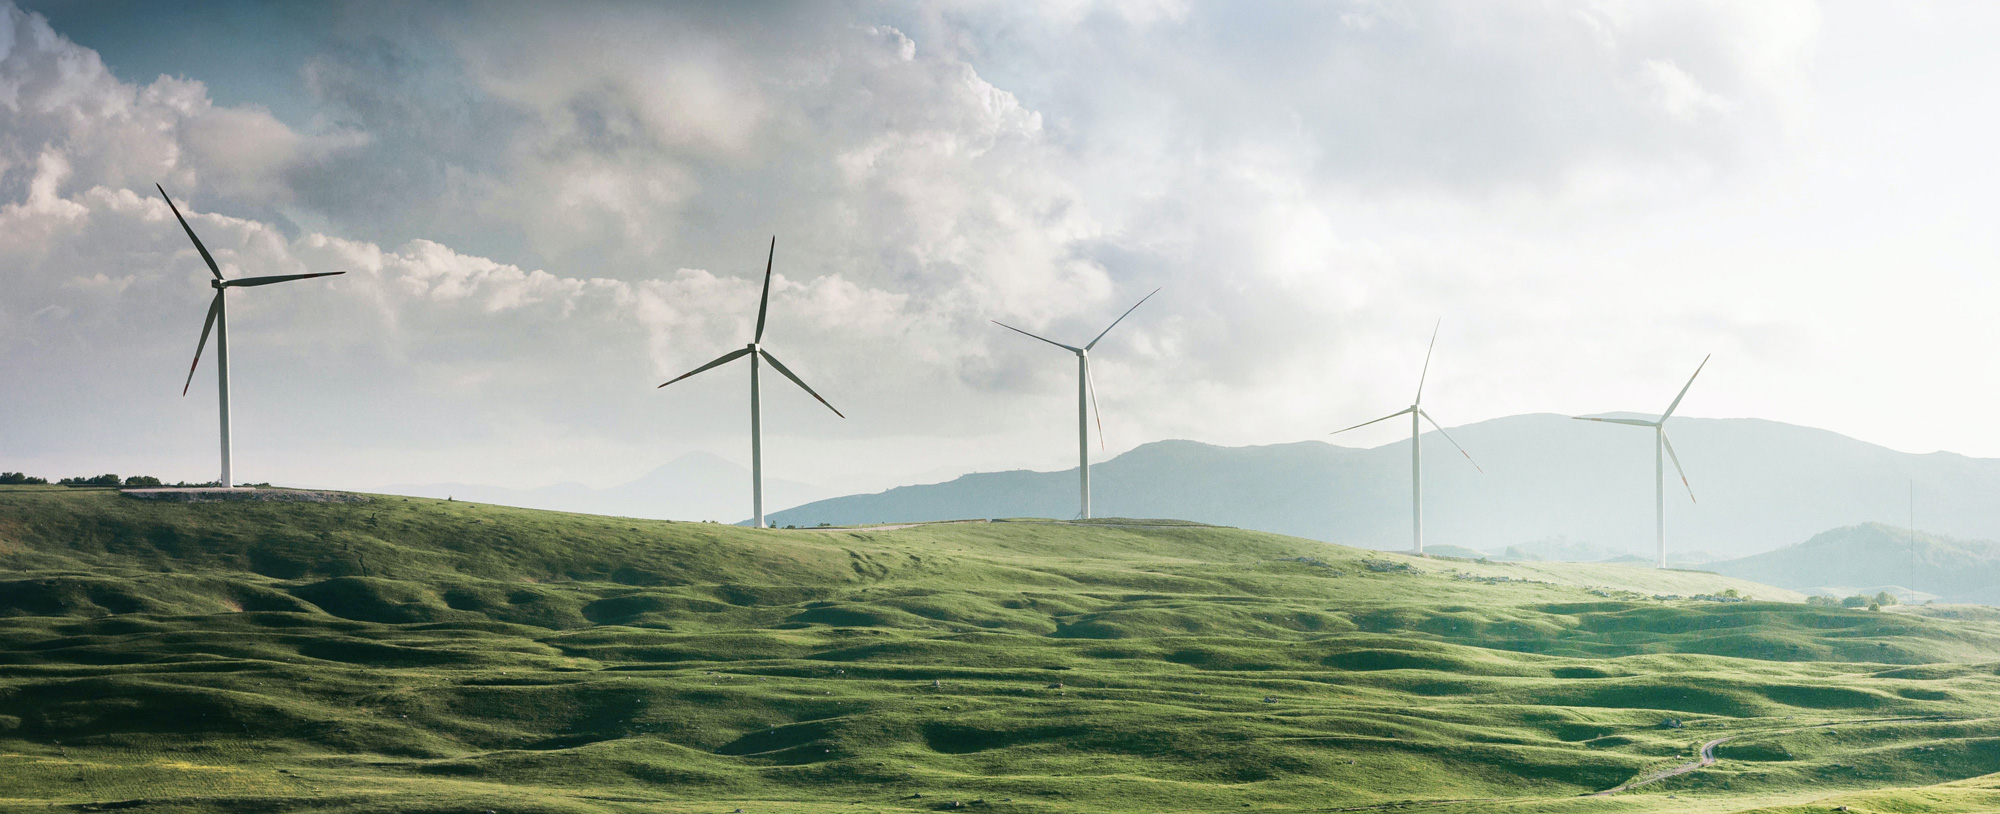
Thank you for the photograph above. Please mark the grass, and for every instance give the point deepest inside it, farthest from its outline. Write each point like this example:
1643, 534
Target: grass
419, 655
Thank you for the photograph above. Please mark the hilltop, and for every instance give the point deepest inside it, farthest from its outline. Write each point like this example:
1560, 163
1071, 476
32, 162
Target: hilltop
404, 654
1761, 484
1872, 557
695, 486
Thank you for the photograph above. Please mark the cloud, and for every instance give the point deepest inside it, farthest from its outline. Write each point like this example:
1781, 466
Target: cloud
1391, 98
536, 236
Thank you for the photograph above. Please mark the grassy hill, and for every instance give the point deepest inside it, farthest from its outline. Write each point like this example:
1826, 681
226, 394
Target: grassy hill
405, 654
1872, 554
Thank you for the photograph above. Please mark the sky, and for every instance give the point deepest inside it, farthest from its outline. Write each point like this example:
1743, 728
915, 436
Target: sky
545, 210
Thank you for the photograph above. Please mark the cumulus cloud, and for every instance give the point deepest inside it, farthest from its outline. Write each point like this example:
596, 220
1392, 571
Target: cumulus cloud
543, 213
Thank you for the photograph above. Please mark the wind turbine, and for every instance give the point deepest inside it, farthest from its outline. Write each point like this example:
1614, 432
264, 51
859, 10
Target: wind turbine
1662, 448
219, 321
1417, 416
756, 352
1086, 399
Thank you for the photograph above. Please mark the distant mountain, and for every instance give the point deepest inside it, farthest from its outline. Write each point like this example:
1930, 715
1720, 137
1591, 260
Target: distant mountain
1762, 485
695, 486
1874, 557
1562, 549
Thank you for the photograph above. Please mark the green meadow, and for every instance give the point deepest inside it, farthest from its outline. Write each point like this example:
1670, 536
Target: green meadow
413, 655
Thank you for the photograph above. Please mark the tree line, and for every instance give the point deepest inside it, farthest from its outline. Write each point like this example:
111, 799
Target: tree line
134, 481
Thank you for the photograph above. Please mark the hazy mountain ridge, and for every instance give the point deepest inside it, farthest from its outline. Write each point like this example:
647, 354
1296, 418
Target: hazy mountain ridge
1761, 484
1874, 556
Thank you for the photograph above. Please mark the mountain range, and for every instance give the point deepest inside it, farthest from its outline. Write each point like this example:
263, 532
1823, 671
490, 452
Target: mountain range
1761, 485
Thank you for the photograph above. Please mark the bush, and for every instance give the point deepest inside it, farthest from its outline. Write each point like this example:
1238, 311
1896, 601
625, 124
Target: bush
1856, 601
100, 480
142, 480
1886, 598
17, 478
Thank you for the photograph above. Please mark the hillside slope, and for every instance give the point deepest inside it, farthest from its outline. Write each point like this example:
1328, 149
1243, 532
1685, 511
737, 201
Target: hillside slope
1761, 485
695, 486
1872, 555
414, 655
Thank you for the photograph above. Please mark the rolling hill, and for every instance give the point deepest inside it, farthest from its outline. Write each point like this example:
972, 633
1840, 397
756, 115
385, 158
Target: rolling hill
404, 654
1871, 557
1761, 485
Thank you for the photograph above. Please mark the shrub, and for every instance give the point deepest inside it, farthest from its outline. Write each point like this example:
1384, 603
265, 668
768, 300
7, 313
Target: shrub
100, 480
142, 480
1856, 601
1886, 598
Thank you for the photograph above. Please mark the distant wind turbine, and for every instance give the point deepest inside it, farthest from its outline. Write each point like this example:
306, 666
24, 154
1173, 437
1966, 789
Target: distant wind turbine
756, 352
1662, 449
1086, 399
1417, 416
218, 320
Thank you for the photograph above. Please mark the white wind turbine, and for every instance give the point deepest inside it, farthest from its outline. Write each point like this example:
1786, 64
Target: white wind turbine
757, 353
1417, 416
218, 320
1662, 449
1086, 398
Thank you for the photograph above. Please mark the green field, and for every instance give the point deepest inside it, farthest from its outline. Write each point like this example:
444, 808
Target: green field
420, 655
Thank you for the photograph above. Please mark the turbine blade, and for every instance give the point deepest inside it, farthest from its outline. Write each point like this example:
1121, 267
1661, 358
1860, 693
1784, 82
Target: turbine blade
214, 310
246, 282
1044, 339
725, 359
1629, 421
764, 304
1121, 318
1684, 389
1447, 437
1427, 361
1092, 382
794, 377
1677, 464
190, 230
1376, 421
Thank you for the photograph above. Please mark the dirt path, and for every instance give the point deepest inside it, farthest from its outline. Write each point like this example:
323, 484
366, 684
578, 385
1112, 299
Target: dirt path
1707, 752
1707, 758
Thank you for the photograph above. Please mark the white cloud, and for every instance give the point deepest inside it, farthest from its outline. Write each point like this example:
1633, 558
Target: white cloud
535, 236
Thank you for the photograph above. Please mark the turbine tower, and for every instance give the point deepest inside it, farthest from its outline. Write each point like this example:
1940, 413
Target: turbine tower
1086, 400
1662, 449
218, 320
1417, 417
756, 352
